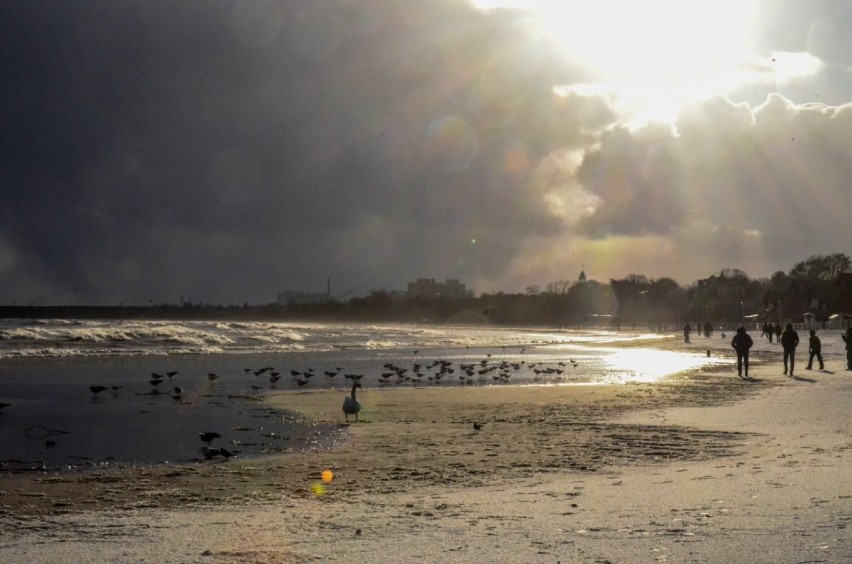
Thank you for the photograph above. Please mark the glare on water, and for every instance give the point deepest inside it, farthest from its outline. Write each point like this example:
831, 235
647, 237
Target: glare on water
649, 365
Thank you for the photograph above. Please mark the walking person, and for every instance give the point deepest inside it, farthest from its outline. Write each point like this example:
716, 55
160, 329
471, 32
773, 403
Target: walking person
815, 350
686, 330
777, 332
847, 338
742, 343
789, 341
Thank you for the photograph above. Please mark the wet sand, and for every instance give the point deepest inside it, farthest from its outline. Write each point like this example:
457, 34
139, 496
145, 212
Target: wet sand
703, 467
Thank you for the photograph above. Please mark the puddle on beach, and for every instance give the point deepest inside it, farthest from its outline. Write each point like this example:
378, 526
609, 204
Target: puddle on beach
57, 423
72, 429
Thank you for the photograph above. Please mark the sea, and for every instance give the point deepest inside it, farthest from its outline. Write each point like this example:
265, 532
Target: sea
167, 382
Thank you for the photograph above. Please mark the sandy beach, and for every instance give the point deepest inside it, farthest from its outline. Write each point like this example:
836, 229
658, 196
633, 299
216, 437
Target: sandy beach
704, 467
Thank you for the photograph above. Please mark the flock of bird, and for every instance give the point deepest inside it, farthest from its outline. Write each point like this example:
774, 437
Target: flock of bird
444, 371
435, 372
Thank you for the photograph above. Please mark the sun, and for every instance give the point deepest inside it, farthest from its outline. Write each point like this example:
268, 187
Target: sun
652, 56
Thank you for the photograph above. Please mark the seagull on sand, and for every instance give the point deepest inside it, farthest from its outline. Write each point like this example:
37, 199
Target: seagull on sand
212, 376
351, 406
478, 426
97, 389
4, 404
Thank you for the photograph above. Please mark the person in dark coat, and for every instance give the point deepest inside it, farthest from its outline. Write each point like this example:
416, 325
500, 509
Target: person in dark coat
742, 343
778, 332
814, 350
686, 330
789, 341
847, 338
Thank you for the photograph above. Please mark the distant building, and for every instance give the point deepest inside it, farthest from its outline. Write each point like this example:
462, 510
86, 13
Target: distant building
425, 288
295, 297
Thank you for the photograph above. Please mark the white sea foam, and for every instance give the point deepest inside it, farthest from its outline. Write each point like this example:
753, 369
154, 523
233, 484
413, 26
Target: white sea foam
70, 338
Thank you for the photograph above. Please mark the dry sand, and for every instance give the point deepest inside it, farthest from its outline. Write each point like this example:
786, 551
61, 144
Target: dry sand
703, 468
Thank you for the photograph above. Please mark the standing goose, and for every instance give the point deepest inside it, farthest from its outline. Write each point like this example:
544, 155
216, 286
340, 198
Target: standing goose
352, 406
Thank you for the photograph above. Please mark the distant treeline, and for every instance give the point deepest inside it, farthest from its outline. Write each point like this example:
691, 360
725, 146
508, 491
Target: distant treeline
820, 286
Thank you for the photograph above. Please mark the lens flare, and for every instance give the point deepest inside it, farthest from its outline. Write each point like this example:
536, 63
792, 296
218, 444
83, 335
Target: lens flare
450, 143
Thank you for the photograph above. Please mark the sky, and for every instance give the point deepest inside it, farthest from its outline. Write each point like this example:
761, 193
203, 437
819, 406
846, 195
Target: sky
222, 152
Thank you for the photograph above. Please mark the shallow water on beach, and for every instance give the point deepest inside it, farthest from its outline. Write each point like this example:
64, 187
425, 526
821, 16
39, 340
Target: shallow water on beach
55, 422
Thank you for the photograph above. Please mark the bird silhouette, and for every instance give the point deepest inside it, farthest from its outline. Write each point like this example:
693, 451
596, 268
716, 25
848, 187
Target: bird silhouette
4, 404
478, 426
212, 376
97, 389
351, 406
208, 436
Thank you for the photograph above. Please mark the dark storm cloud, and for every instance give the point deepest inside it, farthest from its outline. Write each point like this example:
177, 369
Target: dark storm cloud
224, 151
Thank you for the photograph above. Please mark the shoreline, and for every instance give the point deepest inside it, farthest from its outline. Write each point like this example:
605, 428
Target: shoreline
417, 456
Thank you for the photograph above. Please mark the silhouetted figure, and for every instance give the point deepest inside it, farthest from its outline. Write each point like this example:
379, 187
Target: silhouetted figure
763, 330
814, 350
847, 338
789, 340
742, 343
778, 332
686, 330
770, 331
708, 329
